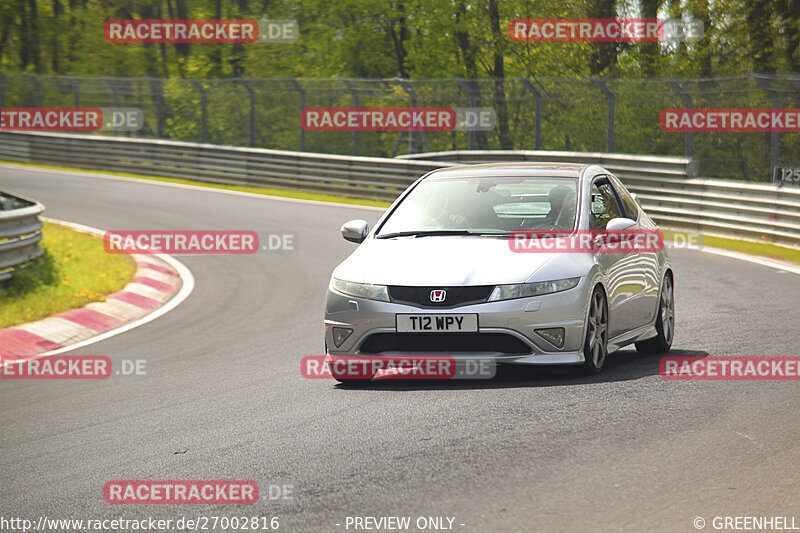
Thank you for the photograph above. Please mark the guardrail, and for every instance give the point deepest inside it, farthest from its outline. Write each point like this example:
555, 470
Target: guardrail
663, 184
358, 177
614, 115
620, 164
20, 233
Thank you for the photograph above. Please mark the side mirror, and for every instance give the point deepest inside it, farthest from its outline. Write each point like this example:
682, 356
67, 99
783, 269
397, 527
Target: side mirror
616, 224
355, 230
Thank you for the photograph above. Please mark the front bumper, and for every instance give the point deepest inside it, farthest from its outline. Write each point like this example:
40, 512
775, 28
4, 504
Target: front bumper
517, 319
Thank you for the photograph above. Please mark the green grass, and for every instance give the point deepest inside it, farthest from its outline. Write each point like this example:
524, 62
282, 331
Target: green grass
283, 193
74, 270
764, 249
749, 247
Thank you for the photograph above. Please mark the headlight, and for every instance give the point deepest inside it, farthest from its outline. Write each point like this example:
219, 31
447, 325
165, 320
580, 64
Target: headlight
361, 290
525, 290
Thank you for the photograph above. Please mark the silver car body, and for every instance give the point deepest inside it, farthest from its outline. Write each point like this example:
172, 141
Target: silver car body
631, 281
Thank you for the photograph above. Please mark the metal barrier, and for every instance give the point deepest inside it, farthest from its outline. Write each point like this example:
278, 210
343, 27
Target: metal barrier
573, 114
727, 208
358, 177
619, 164
20, 233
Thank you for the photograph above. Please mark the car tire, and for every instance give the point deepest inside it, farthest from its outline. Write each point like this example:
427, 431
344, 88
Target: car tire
665, 322
595, 345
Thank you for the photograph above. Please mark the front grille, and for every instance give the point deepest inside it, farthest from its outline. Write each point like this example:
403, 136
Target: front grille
443, 343
455, 296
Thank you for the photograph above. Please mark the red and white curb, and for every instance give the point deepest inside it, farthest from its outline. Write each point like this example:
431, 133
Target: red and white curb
161, 283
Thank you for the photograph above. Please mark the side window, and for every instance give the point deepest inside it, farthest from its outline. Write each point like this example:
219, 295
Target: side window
631, 209
605, 205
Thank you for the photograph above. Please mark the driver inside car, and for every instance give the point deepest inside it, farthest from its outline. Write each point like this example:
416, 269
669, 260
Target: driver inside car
561, 214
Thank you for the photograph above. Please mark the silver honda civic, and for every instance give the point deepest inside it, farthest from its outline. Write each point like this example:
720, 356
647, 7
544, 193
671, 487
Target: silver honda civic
480, 261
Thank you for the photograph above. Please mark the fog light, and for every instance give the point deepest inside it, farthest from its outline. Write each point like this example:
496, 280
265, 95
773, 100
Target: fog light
554, 336
340, 335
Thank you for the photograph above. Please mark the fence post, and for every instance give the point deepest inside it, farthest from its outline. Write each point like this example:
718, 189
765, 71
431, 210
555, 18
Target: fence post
38, 85
538, 97
412, 96
601, 84
357, 102
110, 82
473, 102
774, 136
252, 109
689, 103
303, 103
158, 98
76, 95
204, 100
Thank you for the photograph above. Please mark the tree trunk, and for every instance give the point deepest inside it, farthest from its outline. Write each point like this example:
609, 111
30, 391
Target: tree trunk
499, 42
215, 54
55, 48
29, 43
603, 58
649, 52
399, 38
791, 28
469, 55
700, 10
183, 49
238, 52
758, 14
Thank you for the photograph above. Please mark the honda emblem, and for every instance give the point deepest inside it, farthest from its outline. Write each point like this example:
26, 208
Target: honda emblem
438, 295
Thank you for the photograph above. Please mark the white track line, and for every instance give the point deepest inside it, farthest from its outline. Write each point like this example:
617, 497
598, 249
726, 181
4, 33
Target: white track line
186, 289
752, 259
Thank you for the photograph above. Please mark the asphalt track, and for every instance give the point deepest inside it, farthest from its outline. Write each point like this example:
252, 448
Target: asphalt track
533, 450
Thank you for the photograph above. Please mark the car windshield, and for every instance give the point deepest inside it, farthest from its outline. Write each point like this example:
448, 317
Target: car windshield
496, 205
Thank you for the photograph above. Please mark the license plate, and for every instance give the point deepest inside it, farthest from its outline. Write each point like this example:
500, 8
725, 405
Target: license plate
450, 323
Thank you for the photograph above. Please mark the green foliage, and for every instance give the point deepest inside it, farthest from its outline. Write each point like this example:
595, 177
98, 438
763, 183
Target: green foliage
431, 42
383, 39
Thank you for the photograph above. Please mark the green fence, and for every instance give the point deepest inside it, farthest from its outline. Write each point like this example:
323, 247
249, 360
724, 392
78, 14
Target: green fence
592, 115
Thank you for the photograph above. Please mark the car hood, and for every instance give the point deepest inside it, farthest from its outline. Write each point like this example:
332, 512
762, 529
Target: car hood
439, 260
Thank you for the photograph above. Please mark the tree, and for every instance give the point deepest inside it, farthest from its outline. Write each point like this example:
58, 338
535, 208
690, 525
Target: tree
758, 14
499, 43
649, 52
604, 55
29, 43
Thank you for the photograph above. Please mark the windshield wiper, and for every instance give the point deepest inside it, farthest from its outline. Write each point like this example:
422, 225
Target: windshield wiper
437, 232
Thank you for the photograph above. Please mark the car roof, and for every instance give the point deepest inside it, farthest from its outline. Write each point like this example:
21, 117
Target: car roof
528, 168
